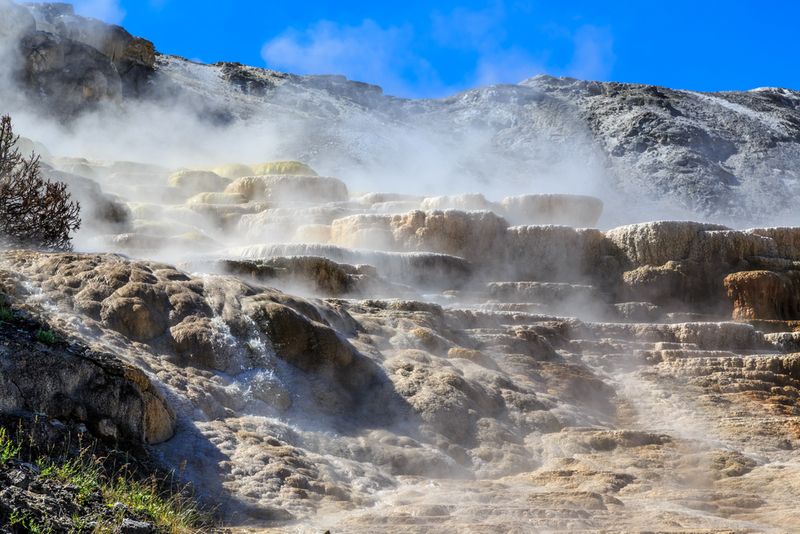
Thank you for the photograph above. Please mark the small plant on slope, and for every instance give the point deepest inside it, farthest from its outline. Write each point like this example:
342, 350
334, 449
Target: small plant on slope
48, 337
6, 314
34, 211
8, 449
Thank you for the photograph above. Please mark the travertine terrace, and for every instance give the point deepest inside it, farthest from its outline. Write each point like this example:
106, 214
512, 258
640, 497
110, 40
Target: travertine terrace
321, 345
370, 362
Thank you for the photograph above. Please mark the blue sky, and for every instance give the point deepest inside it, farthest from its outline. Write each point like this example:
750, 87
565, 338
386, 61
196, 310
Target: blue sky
437, 48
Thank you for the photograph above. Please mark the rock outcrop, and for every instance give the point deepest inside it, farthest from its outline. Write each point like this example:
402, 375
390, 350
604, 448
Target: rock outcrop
71, 63
764, 295
67, 381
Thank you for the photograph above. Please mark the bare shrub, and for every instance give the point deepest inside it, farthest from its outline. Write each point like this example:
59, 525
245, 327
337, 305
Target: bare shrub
34, 211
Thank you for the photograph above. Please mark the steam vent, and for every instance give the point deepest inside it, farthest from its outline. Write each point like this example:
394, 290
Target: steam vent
273, 325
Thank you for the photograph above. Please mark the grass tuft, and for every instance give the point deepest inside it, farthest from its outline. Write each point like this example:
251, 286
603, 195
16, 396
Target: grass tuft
174, 513
28, 524
6, 314
9, 450
48, 337
169, 511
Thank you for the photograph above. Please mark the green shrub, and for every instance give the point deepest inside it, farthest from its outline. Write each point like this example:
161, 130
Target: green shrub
48, 337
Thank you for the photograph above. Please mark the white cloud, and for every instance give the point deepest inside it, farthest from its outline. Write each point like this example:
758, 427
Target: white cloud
394, 56
593, 57
367, 52
511, 65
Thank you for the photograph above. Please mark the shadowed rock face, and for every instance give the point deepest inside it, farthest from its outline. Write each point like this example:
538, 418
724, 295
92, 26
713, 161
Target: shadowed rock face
117, 401
71, 63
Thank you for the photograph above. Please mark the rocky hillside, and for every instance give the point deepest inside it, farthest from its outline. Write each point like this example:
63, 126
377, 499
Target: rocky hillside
308, 355
730, 156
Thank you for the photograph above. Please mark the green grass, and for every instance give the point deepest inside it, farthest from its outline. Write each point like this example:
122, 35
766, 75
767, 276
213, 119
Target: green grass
9, 450
6, 313
28, 524
172, 512
48, 337
77, 472
169, 512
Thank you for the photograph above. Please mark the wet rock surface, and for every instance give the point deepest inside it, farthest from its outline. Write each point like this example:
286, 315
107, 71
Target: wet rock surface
516, 417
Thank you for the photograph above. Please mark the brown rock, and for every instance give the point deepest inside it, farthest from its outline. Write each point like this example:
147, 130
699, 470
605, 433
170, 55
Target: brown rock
662, 284
764, 295
199, 343
297, 339
138, 311
114, 399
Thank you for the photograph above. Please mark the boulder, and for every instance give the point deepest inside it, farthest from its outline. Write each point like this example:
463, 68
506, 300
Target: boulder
138, 311
764, 295
198, 342
663, 284
306, 344
69, 381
